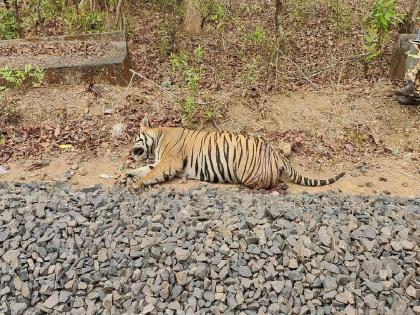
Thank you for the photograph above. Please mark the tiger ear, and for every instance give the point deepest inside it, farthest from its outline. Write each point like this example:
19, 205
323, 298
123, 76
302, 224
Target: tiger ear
145, 123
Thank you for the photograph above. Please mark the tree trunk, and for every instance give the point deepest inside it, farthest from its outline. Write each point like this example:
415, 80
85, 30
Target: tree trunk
193, 21
278, 17
119, 16
412, 21
17, 18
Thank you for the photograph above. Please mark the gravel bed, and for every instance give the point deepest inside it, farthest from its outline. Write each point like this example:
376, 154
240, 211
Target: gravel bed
205, 251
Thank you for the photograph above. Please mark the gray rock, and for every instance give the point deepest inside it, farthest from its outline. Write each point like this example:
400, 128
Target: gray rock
107, 302
374, 286
181, 277
330, 283
371, 300
399, 306
224, 272
324, 236
102, 255
239, 297
224, 249
274, 308
26, 292
273, 213
198, 293
204, 250
4, 235
245, 271
201, 271
345, 297
176, 291
182, 254
294, 275
412, 292
11, 257
148, 309
208, 296
52, 301
17, 308
65, 296
396, 245
231, 301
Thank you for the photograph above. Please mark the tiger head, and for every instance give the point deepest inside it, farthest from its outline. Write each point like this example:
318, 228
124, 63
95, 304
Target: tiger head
144, 142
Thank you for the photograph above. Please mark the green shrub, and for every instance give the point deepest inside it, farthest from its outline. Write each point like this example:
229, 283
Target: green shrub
258, 36
15, 78
8, 25
377, 26
89, 22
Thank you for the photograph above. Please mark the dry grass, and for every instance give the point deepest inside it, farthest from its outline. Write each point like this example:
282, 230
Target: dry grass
10, 114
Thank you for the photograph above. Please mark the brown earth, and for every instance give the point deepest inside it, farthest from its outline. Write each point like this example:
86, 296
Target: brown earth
369, 136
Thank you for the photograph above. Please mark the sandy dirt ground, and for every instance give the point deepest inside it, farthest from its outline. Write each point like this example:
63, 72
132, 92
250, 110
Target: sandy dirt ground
363, 133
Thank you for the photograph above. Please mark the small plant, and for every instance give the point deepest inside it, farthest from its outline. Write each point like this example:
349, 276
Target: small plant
371, 44
8, 25
212, 11
378, 25
178, 62
251, 74
258, 36
37, 75
199, 53
209, 114
89, 22
172, 5
191, 71
192, 78
188, 107
300, 12
12, 77
92, 22
164, 43
341, 14
16, 78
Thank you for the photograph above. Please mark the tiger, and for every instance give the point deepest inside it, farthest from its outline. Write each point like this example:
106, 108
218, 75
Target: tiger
217, 157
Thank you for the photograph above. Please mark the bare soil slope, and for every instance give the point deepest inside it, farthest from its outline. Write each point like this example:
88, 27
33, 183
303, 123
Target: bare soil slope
369, 136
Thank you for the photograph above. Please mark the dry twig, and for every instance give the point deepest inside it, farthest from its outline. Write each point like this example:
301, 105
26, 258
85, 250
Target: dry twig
300, 70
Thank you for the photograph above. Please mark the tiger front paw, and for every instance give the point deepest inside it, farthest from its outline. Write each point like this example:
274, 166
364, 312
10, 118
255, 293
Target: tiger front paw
137, 186
126, 179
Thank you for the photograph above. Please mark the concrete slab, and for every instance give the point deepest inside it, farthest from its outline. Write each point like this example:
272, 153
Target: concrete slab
70, 59
399, 56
